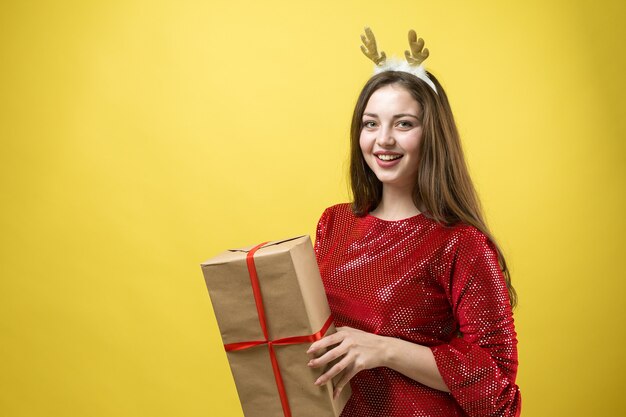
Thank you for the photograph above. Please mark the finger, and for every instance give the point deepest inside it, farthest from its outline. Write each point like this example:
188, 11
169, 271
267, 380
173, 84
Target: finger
330, 374
343, 380
327, 341
344, 328
328, 357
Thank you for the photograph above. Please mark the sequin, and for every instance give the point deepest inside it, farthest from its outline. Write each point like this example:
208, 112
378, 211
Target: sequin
429, 284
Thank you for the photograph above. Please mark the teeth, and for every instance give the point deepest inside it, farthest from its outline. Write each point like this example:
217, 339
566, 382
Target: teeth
388, 157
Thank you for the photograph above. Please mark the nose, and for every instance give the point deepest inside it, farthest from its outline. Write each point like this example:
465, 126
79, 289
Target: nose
385, 137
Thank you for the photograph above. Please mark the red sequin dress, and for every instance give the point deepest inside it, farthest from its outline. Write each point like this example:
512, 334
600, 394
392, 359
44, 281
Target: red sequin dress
437, 286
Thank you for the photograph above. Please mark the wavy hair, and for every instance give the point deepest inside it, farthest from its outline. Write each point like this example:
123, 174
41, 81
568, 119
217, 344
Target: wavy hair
443, 184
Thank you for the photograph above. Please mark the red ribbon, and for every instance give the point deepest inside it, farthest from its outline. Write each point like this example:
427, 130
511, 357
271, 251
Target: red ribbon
258, 299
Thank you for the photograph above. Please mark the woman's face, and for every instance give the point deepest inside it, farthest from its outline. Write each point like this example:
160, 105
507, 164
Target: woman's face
391, 136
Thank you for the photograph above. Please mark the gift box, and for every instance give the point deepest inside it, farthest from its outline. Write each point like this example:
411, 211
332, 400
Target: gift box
270, 306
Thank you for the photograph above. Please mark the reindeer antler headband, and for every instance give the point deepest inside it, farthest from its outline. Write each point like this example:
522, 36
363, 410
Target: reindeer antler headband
414, 58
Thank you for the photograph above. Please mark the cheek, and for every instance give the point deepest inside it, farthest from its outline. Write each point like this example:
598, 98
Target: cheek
413, 142
365, 143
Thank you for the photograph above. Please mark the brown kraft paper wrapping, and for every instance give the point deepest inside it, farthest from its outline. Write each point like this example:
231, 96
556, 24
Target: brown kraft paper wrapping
295, 304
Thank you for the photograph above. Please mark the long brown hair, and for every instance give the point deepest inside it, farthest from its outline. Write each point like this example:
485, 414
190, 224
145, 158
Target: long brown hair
443, 182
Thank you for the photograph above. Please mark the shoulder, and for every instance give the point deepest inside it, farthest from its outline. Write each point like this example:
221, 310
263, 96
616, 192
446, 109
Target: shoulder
333, 220
329, 227
474, 267
473, 240
476, 258
465, 244
463, 236
336, 212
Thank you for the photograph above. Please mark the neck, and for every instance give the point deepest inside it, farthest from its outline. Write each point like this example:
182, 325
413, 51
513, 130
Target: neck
396, 204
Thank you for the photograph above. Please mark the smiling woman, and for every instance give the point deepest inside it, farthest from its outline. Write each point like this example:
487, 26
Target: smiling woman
419, 289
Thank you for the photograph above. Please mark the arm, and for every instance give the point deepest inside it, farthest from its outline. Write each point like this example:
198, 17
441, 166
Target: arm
481, 366
362, 350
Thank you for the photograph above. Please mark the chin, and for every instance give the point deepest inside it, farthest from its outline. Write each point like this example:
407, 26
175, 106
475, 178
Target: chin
392, 180
388, 181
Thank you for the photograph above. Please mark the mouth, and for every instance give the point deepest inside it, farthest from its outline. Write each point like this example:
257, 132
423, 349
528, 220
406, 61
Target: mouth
388, 157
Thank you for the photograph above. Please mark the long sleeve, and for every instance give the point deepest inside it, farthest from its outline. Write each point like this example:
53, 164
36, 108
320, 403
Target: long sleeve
480, 366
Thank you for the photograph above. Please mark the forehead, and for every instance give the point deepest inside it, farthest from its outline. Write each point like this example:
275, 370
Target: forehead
392, 98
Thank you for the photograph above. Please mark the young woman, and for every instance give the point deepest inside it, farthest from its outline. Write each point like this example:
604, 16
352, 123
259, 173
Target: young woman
418, 288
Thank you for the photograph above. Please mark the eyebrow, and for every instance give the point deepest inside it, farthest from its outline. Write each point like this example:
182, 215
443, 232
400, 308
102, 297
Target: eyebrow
396, 116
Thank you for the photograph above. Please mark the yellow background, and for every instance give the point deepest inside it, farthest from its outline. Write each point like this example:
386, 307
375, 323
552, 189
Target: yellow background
140, 138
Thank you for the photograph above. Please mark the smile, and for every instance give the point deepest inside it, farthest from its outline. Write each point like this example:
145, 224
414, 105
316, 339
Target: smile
388, 157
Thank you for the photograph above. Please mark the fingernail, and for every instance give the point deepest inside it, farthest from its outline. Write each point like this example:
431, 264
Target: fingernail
318, 381
310, 363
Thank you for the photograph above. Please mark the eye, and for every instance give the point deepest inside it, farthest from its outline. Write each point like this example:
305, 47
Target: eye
405, 124
369, 124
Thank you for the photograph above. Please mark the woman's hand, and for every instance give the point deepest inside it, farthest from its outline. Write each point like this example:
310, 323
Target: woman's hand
357, 349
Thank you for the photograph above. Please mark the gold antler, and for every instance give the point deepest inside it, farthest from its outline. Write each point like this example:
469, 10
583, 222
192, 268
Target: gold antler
417, 55
370, 49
